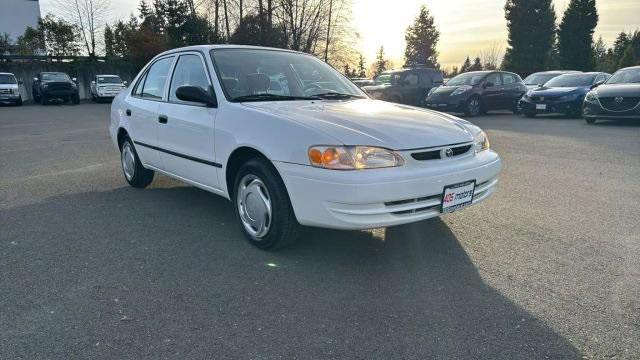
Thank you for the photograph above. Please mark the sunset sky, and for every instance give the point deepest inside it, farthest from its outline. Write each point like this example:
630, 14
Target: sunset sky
466, 26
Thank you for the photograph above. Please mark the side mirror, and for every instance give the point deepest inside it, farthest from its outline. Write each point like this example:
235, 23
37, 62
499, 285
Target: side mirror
196, 94
488, 85
540, 85
74, 79
125, 83
93, 83
35, 79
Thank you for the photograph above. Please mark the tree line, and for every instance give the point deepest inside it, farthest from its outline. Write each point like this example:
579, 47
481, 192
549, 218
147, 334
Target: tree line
535, 41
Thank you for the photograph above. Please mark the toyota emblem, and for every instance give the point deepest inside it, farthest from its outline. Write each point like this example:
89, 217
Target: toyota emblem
619, 99
448, 152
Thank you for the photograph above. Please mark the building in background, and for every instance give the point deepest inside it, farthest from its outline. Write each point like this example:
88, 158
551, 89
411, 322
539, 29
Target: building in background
16, 15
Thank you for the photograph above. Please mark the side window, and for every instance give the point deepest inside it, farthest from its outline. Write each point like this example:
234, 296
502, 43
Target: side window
495, 79
411, 79
138, 89
509, 79
188, 71
154, 83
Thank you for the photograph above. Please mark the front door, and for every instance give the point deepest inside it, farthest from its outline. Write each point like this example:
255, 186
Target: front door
492, 95
186, 129
142, 110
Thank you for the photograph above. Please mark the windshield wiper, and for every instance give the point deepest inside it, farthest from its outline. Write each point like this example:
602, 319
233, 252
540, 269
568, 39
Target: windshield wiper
337, 95
275, 97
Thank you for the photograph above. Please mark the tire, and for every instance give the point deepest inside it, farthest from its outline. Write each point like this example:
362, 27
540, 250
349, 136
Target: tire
529, 114
516, 108
75, 99
44, 100
590, 121
473, 107
93, 98
132, 169
258, 189
19, 101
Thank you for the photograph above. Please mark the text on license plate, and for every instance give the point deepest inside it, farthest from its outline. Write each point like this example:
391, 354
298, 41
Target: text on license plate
457, 196
541, 106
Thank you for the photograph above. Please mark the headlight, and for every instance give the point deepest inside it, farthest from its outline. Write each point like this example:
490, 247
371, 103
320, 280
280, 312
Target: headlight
353, 157
461, 89
481, 142
591, 97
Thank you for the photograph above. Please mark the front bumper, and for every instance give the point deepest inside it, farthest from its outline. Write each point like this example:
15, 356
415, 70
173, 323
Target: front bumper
593, 110
368, 199
9, 98
552, 107
446, 103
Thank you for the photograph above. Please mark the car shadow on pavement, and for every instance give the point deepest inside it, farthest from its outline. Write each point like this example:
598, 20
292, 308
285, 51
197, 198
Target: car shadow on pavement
163, 271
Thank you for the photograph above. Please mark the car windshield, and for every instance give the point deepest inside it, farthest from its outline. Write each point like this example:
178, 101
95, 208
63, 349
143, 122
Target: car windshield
109, 80
466, 79
7, 79
55, 77
539, 79
266, 75
571, 80
628, 76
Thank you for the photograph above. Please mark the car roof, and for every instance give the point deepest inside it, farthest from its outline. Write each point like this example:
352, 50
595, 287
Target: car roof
550, 72
107, 75
206, 48
4, 73
52, 72
637, 67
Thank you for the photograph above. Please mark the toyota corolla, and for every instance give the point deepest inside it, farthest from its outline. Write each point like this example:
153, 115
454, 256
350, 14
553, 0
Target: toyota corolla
290, 141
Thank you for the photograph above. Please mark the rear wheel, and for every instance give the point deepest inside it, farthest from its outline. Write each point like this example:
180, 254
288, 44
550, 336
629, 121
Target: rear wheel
19, 101
473, 107
44, 100
75, 99
590, 121
132, 169
263, 207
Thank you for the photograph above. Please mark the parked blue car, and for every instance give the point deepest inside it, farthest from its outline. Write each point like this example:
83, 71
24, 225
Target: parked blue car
561, 95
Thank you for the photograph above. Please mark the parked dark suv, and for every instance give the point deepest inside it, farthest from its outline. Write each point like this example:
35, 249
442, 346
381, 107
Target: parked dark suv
54, 85
616, 99
475, 93
405, 86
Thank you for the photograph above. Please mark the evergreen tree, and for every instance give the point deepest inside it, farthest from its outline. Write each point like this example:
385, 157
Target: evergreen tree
477, 65
381, 62
575, 35
422, 38
466, 66
144, 10
31, 42
531, 27
620, 46
361, 69
109, 41
631, 56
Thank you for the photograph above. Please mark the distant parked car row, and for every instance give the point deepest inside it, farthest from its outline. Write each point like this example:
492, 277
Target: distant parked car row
52, 86
405, 86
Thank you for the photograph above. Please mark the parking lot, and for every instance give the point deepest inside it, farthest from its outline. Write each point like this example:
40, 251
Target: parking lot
92, 268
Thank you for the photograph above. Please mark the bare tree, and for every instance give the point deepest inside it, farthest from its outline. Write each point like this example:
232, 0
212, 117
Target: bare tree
491, 56
89, 16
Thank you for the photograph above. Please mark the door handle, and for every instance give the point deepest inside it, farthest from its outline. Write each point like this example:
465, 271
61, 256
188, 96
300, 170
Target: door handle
128, 112
163, 119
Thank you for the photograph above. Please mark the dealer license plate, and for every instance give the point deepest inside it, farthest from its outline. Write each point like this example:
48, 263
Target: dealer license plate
457, 196
541, 106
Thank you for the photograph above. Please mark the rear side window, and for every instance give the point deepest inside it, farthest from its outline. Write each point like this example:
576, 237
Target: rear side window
188, 71
138, 89
156, 79
411, 79
509, 79
494, 79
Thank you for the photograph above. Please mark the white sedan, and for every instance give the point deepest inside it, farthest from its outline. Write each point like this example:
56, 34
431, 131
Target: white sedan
314, 151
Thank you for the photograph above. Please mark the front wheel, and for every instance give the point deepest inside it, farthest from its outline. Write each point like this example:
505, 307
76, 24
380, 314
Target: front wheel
135, 174
263, 207
473, 107
529, 114
75, 99
590, 121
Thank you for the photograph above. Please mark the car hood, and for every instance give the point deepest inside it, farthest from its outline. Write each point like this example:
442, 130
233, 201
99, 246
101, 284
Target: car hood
376, 87
8, 86
559, 91
445, 89
624, 90
374, 123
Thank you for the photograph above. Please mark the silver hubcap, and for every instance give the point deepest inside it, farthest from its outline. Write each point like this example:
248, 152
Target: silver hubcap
254, 206
128, 161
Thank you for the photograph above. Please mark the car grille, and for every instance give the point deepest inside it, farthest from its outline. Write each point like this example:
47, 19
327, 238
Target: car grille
5, 91
434, 202
627, 103
59, 87
438, 153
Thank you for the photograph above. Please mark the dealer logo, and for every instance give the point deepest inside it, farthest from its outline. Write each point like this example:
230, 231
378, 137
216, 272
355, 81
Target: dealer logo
619, 99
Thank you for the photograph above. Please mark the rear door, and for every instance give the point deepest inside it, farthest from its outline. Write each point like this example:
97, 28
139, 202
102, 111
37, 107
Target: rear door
493, 93
142, 108
512, 90
186, 132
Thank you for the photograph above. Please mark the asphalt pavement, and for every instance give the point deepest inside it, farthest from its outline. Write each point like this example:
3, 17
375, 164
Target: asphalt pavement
92, 268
